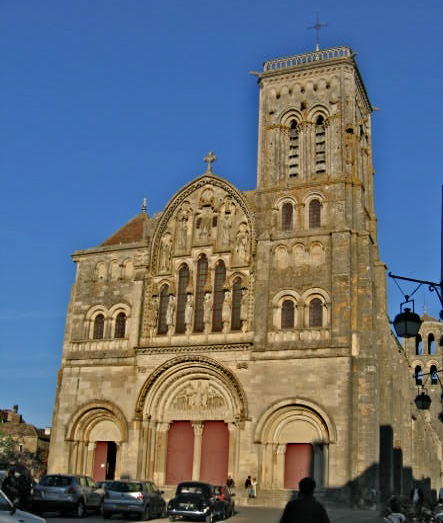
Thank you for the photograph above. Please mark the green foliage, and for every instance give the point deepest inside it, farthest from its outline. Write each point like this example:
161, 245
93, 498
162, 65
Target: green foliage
8, 450
11, 455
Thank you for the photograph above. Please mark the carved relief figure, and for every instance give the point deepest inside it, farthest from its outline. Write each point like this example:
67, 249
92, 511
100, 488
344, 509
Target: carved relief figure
242, 242
205, 224
244, 310
198, 395
207, 312
183, 222
225, 229
165, 252
170, 313
226, 311
189, 309
154, 314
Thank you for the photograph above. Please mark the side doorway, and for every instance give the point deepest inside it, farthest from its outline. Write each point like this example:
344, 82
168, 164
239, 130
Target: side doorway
104, 460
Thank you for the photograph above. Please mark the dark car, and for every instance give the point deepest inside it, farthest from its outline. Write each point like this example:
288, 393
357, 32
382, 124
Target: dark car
67, 493
224, 494
133, 497
195, 501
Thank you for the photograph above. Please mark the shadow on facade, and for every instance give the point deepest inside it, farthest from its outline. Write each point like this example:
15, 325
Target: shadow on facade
384, 479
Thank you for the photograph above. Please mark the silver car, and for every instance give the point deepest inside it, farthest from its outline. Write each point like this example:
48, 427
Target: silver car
9, 514
67, 493
136, 497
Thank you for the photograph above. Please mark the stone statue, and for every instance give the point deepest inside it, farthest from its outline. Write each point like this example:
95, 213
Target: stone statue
165, 252
189, 309
170, 313
242, 242
154, 314
207, 312
226, 311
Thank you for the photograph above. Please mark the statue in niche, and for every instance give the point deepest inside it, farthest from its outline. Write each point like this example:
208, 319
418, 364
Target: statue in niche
226, 311
170, 313
207, 312
183, 221
165, 252
205, 223
189, 310
242, 242
154, 314
225, 229
244, 310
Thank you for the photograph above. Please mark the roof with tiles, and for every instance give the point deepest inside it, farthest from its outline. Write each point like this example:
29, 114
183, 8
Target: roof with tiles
134, 231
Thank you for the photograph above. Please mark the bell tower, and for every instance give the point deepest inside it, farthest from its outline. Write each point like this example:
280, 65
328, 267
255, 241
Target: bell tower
314, 127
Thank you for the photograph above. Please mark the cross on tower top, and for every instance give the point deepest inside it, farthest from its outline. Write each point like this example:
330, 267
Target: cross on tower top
317, 28
209, 159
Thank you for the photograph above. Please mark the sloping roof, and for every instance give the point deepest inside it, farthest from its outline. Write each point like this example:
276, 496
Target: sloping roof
133, 231
19, 429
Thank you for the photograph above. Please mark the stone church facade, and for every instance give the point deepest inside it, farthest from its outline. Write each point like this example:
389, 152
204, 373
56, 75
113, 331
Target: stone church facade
246, 333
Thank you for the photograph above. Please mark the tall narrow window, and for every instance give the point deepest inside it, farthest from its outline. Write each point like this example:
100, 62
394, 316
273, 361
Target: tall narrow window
418, 373
287, 212
120, 325
431, 344
287, 314
99, 327
236, 305
315, 313
219, 282
434, 375
293, 150
314, 214
418, 345
320, 146
183, 280
163, 307
202, 275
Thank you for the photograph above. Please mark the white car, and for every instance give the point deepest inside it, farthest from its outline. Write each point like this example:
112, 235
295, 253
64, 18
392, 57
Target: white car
9, 514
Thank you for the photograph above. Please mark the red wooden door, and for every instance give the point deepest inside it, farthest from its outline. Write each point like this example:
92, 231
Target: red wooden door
180, 453
299, 463
100, 460
214, 453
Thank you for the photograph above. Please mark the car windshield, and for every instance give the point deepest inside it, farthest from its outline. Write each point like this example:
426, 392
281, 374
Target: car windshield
55, 481
120, 486
191, 489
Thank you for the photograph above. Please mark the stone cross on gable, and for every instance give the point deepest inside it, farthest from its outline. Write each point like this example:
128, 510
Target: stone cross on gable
209, 159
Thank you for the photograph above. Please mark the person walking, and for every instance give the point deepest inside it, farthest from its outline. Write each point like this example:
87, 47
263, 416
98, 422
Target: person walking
253, 487
248, 486
304, 508
9, 486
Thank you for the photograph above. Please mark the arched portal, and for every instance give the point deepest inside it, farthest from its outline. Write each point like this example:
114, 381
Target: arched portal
195, 407
295, 437
95, 433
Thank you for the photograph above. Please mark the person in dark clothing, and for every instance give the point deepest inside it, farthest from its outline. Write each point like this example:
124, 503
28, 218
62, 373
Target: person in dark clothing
24, 488
304, 508
9, 486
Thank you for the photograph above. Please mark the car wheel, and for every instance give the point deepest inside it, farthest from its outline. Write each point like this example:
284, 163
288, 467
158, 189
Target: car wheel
171, 518
209, 518
146, 514
80, 509
106, 514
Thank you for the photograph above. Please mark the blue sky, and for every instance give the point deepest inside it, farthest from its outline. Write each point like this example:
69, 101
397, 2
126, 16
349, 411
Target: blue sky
104, 102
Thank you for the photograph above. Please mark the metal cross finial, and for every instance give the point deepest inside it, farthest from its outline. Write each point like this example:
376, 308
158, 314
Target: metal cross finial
317, 28
209, 159
144, 205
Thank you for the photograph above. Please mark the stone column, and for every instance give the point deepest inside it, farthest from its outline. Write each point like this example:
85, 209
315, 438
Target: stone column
233, 449
279, 469
160, 451
198, 432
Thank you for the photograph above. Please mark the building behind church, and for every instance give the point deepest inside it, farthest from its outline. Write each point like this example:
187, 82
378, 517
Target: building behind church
246, 333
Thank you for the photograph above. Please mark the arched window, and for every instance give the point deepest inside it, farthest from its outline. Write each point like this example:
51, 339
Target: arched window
315, 313
434, 375
163, 307
320, 146
418, 345
183, 280
236, 304
120, 325
287, 314
418, 375
293, 149
287, 212
431, 344
99, 327
314, 214
202, 275
219, 293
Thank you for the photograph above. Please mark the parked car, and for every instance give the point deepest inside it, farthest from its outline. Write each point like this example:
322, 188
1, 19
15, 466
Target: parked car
67, 493
9, 514
194, 500
104, 483
224, 494
138, 497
